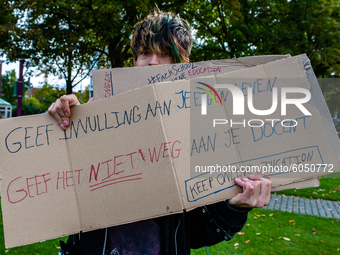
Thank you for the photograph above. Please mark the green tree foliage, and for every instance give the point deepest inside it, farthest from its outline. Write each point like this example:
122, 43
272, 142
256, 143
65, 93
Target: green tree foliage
112, 25
311, 27
51, 34
7, 25
84, 95
66, 37
31, 106
7, 87
217, 26
331, 90
235, 28
46, 95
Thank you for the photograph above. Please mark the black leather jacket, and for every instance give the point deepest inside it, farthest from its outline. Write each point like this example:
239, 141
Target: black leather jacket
204, 226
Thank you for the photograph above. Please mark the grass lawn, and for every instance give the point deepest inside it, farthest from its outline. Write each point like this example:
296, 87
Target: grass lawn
266, 232
43, 248
273, 232
329, 189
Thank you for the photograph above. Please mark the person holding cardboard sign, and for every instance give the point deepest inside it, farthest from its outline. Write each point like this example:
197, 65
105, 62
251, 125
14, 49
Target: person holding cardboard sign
164, 38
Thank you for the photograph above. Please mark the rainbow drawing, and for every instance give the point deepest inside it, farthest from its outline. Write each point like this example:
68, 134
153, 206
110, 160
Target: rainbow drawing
209, 93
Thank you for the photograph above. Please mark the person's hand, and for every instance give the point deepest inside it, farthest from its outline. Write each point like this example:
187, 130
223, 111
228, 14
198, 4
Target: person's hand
256, 192
60, 109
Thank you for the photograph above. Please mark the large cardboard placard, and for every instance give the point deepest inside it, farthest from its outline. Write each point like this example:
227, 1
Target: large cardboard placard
128, 157
109, 82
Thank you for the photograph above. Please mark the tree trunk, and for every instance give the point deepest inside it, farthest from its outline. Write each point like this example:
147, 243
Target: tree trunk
69, 74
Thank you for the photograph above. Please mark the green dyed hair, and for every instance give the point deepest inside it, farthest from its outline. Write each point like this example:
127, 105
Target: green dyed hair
162, 32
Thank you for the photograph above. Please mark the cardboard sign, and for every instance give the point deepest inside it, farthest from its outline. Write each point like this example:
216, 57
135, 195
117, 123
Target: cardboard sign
109, 82
130, 157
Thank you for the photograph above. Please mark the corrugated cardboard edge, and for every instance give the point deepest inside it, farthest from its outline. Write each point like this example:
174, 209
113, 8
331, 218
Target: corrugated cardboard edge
74, 186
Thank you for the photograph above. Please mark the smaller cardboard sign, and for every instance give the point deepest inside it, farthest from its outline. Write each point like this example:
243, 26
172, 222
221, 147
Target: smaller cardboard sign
109, 82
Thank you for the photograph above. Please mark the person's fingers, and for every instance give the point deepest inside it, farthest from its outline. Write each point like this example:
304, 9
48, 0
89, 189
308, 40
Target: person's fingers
243, 199
248, 189
235, 200
264, 196
67, 101
73, 100
256, 192
60, 109
239, 182
50, 109
65, 105
266, 184
53, 110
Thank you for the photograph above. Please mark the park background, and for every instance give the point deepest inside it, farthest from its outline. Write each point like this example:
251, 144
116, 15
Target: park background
67, 39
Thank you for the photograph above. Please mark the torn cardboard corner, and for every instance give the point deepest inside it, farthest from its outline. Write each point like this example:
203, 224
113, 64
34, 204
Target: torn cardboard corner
108, 82
130, 157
